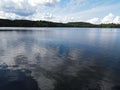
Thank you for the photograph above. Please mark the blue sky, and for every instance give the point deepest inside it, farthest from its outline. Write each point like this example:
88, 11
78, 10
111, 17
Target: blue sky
94, 11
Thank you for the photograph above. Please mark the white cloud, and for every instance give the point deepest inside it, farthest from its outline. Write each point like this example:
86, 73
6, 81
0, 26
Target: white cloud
116, 20
48, 16
94, 21
110, 18
42, 2
19, 7
12, 16
83, 14
58, 10
24, 7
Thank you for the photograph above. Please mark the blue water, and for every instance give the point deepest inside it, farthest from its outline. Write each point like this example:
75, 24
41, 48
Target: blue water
59, 59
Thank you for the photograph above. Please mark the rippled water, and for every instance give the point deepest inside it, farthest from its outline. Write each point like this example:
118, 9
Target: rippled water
59, 59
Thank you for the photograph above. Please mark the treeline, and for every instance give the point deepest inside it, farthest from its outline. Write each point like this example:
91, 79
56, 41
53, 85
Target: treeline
112, 25
28, 23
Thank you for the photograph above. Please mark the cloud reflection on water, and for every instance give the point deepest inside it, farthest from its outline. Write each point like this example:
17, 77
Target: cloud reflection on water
59, 62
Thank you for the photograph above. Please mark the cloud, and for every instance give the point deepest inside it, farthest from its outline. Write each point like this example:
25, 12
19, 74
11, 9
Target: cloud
48, 16
83, 10
59, 10
110, 18
19, 7
94, 21
24, 7
116, 20
11, 16
42, 2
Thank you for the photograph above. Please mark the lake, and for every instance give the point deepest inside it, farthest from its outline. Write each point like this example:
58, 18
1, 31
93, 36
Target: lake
59, 59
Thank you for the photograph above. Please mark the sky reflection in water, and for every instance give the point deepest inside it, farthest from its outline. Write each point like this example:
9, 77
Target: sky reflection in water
60, 59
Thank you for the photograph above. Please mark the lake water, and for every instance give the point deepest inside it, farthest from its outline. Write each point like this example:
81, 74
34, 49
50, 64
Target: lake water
59, 59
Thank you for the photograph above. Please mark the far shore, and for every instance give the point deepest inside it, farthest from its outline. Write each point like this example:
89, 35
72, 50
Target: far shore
47, 24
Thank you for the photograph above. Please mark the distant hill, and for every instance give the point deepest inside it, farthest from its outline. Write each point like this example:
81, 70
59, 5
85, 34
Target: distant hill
28, 23
81, 24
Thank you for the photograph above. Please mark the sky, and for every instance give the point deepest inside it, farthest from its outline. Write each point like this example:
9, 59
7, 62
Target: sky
93, 11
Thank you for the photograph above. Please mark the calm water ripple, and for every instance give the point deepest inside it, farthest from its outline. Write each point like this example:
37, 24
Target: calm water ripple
60, 59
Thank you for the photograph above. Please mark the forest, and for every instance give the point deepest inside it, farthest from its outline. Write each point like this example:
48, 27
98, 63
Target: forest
28, 23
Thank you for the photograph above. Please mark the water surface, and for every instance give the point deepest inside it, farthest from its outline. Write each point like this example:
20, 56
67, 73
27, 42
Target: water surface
59, 59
